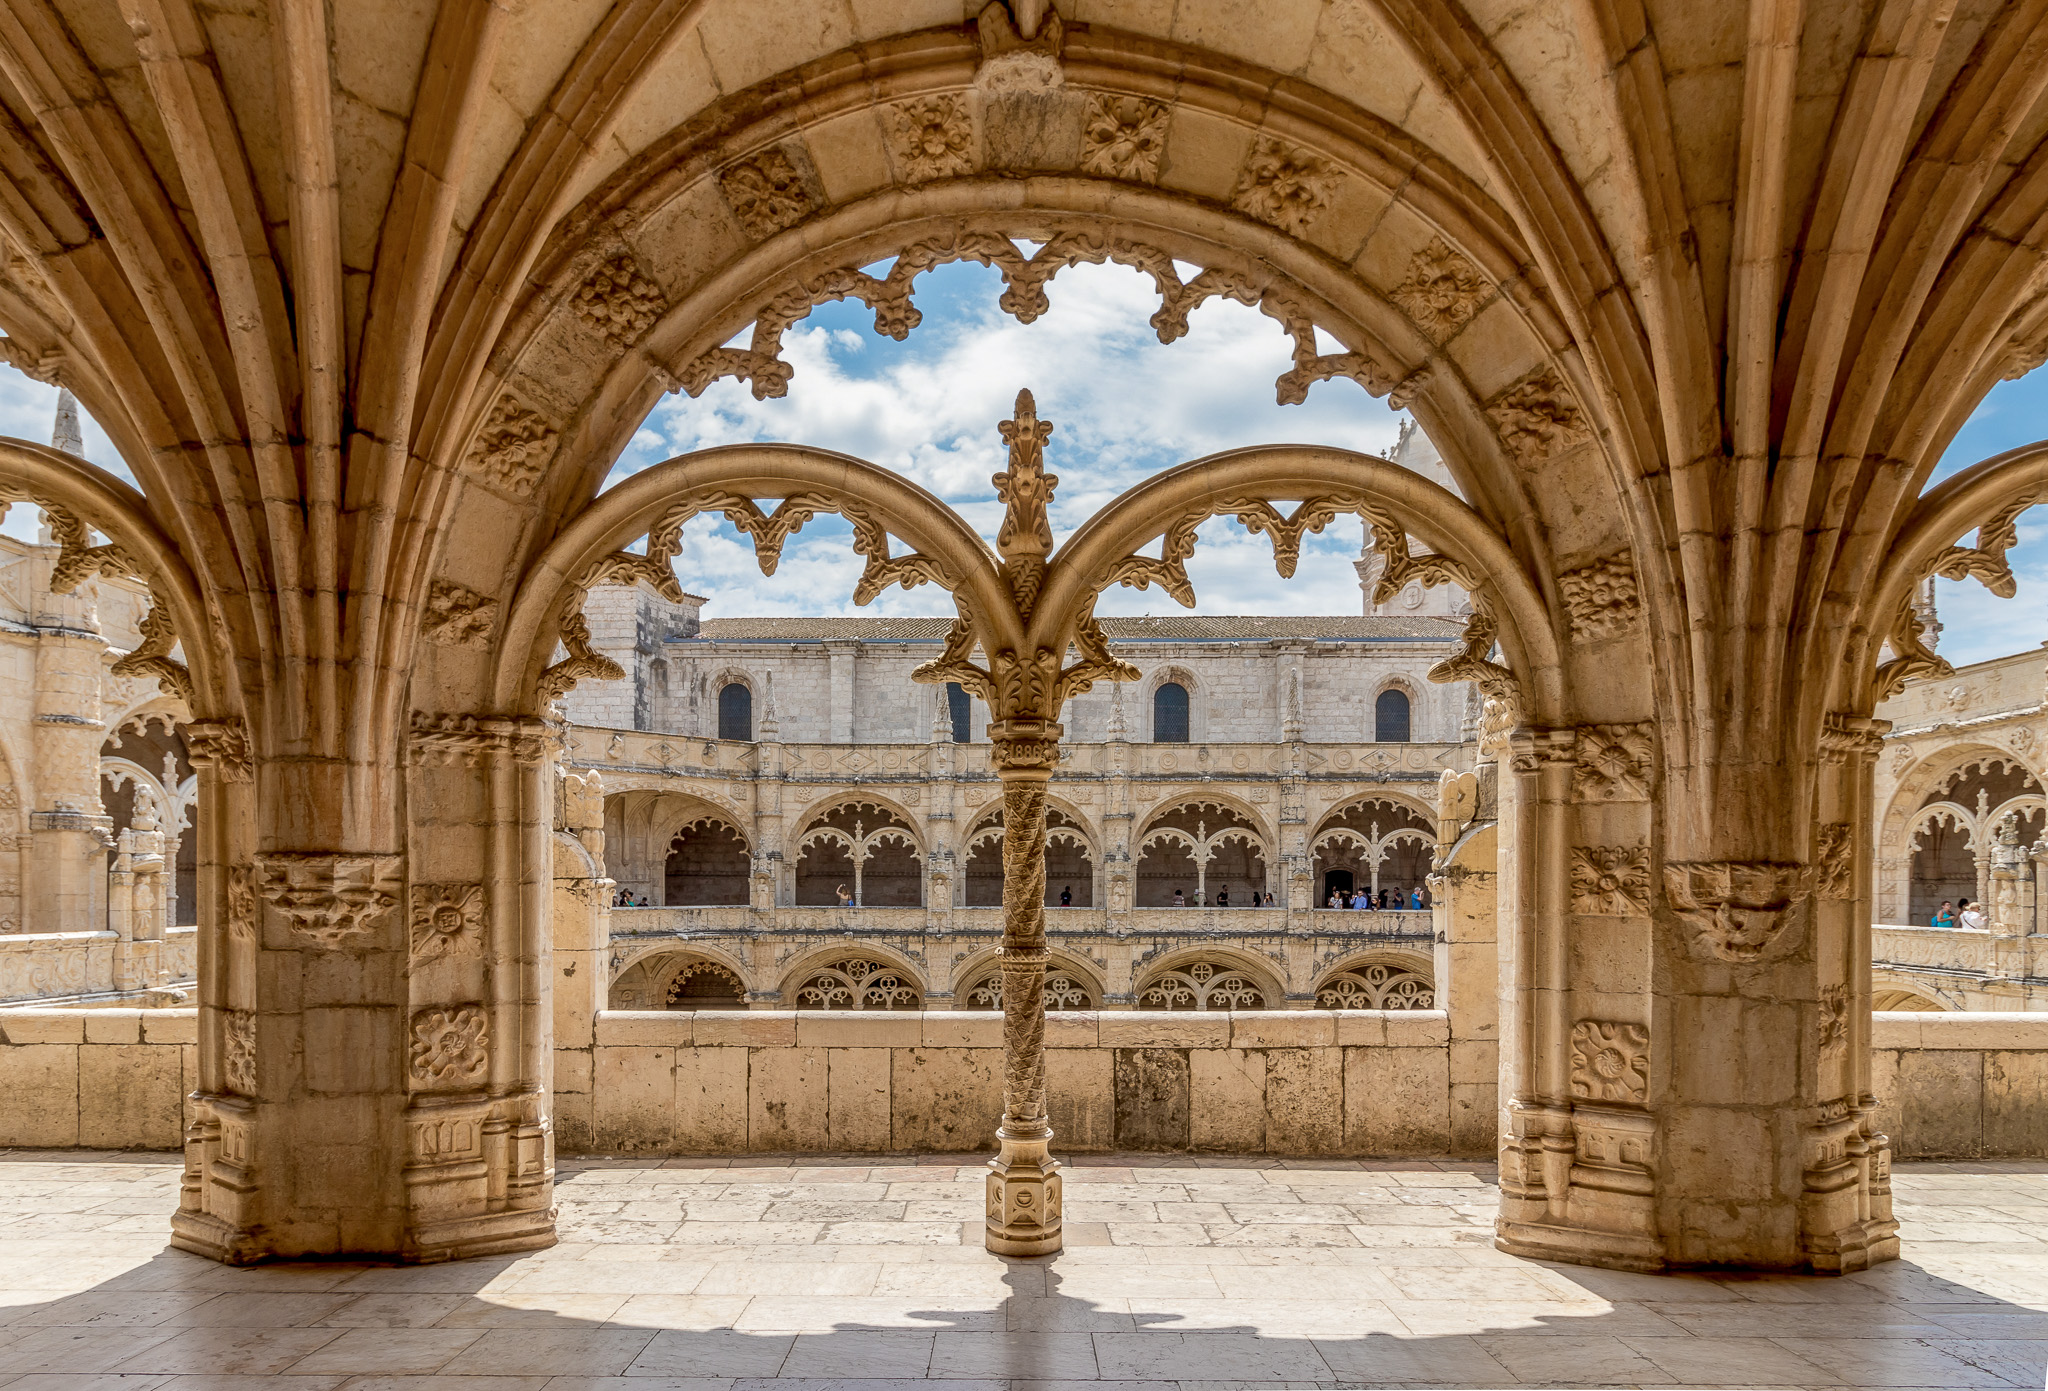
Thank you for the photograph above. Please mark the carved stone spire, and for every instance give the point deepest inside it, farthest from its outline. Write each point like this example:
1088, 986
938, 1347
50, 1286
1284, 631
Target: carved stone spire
1117, 728
1026, 490
64, 431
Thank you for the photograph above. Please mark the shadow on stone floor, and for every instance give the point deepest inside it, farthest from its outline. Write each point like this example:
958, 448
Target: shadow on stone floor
869, 1317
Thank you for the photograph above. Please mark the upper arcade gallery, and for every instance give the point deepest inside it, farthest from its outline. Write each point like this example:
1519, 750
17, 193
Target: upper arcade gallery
1690, 293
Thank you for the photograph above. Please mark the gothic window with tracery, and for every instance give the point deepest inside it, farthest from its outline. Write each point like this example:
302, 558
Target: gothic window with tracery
1069, 862
1391, 717
1203, 985
857, 983
1376, 985
1062, 991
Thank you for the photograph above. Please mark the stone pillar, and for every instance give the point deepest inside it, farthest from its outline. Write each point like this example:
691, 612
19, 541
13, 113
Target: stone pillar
374, 1036
1024, 1183
69, 831
771, 884
841, 655
1119, 882
1845, 1206
944, 886
1465, 897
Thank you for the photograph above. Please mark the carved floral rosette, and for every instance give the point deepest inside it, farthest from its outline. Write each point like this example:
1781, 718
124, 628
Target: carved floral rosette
448, 1046
1610, 1062
447, 920
1742, 912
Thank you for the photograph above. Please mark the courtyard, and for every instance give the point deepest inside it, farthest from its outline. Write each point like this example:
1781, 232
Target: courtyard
716, 1275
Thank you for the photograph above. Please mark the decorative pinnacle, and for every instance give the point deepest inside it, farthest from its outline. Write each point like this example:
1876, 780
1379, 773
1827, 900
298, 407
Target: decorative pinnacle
1026, 489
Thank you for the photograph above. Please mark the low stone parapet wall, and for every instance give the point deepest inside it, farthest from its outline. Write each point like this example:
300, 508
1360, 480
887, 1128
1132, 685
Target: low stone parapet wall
1949, 1086
1264, 1082
1962, 1085
98, 1078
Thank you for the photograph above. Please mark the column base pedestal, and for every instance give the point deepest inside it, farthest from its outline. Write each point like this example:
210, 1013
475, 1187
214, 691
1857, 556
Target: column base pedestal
1579, 1246
1024, 1198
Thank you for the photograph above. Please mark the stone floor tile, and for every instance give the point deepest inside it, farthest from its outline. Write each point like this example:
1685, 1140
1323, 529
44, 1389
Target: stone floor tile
428, 1383
609, 1277
1136, 1283
1061, 1356
808, 1281
1282, 1234
230, 1351
648, 1383
532, 1309
1798, 1321
1974, 1323
1140, 1233
1272, 1284
550, 1351
748, 1233
1324, 1214
1015, 1280
1713, 1361
259, 1309
77, 1349
126, 1309
1456, 1283
1417, 1236
779, 1314
1432, 1318
1276, 1318
1089, 1209
117, 1381
679, 1311
1577, 1360
2023, 1362
1400, 1214
1058, 1315
1874, 1362
714, 1352
891, 1354
860, 1233
1209, 1356
396, 1309
388, 1351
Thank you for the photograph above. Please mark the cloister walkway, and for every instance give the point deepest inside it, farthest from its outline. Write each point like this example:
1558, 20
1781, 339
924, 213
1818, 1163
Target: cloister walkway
1179, 1275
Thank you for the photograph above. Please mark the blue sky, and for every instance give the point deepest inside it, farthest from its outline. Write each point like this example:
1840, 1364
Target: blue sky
1124, 406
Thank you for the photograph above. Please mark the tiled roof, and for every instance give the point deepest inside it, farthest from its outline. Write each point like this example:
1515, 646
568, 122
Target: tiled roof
1177, 628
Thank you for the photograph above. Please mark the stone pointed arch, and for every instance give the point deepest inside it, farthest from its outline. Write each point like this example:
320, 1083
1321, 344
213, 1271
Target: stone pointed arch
944, 549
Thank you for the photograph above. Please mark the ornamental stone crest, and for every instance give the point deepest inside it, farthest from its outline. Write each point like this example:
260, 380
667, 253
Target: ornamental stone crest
1284, 186
447, 921
457, 616
1610, 880
931, 137
1610, 1062
768, 193
1737, 911
328, 898
241, 904
1602, 597
512, 447
1834, 856
1123, 137
1613, 763
448, 1045
1443, 291
238, 1050
618, 301
1833, 1022
1538, 417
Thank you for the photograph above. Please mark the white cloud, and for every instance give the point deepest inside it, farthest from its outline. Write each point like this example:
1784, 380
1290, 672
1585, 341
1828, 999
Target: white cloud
1123, 405
27, 411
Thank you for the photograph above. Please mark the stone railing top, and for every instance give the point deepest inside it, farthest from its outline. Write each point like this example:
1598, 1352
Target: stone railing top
1995, 1031
32, 941
1281, 1028
642, 750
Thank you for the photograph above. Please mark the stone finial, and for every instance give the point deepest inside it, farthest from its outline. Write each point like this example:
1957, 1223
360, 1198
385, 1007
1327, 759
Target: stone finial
65, 433
1025, 489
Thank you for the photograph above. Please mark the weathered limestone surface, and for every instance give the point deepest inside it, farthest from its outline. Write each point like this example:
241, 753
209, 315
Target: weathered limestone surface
1692, 306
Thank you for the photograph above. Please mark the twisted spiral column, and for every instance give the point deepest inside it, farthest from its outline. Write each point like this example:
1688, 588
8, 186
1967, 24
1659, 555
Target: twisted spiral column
1023, 1181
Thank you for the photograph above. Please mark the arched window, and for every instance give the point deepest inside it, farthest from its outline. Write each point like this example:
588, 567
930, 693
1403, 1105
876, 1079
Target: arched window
1390, 717
1170, 713
735, 712
961, 709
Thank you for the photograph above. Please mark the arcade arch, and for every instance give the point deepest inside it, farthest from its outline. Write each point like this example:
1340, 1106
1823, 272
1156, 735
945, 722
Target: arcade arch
1203, 849
869, 848
1377, 842
1071, 859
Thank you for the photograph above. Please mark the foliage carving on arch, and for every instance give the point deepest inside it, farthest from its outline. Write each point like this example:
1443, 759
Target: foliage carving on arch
1025, 277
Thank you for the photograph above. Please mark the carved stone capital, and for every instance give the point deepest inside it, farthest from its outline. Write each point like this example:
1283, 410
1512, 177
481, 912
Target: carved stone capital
442, 739
328, 897
1738, 911
223, 746
1843, 737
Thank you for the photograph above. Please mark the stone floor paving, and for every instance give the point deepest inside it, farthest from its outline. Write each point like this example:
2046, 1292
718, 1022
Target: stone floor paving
859, 1275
